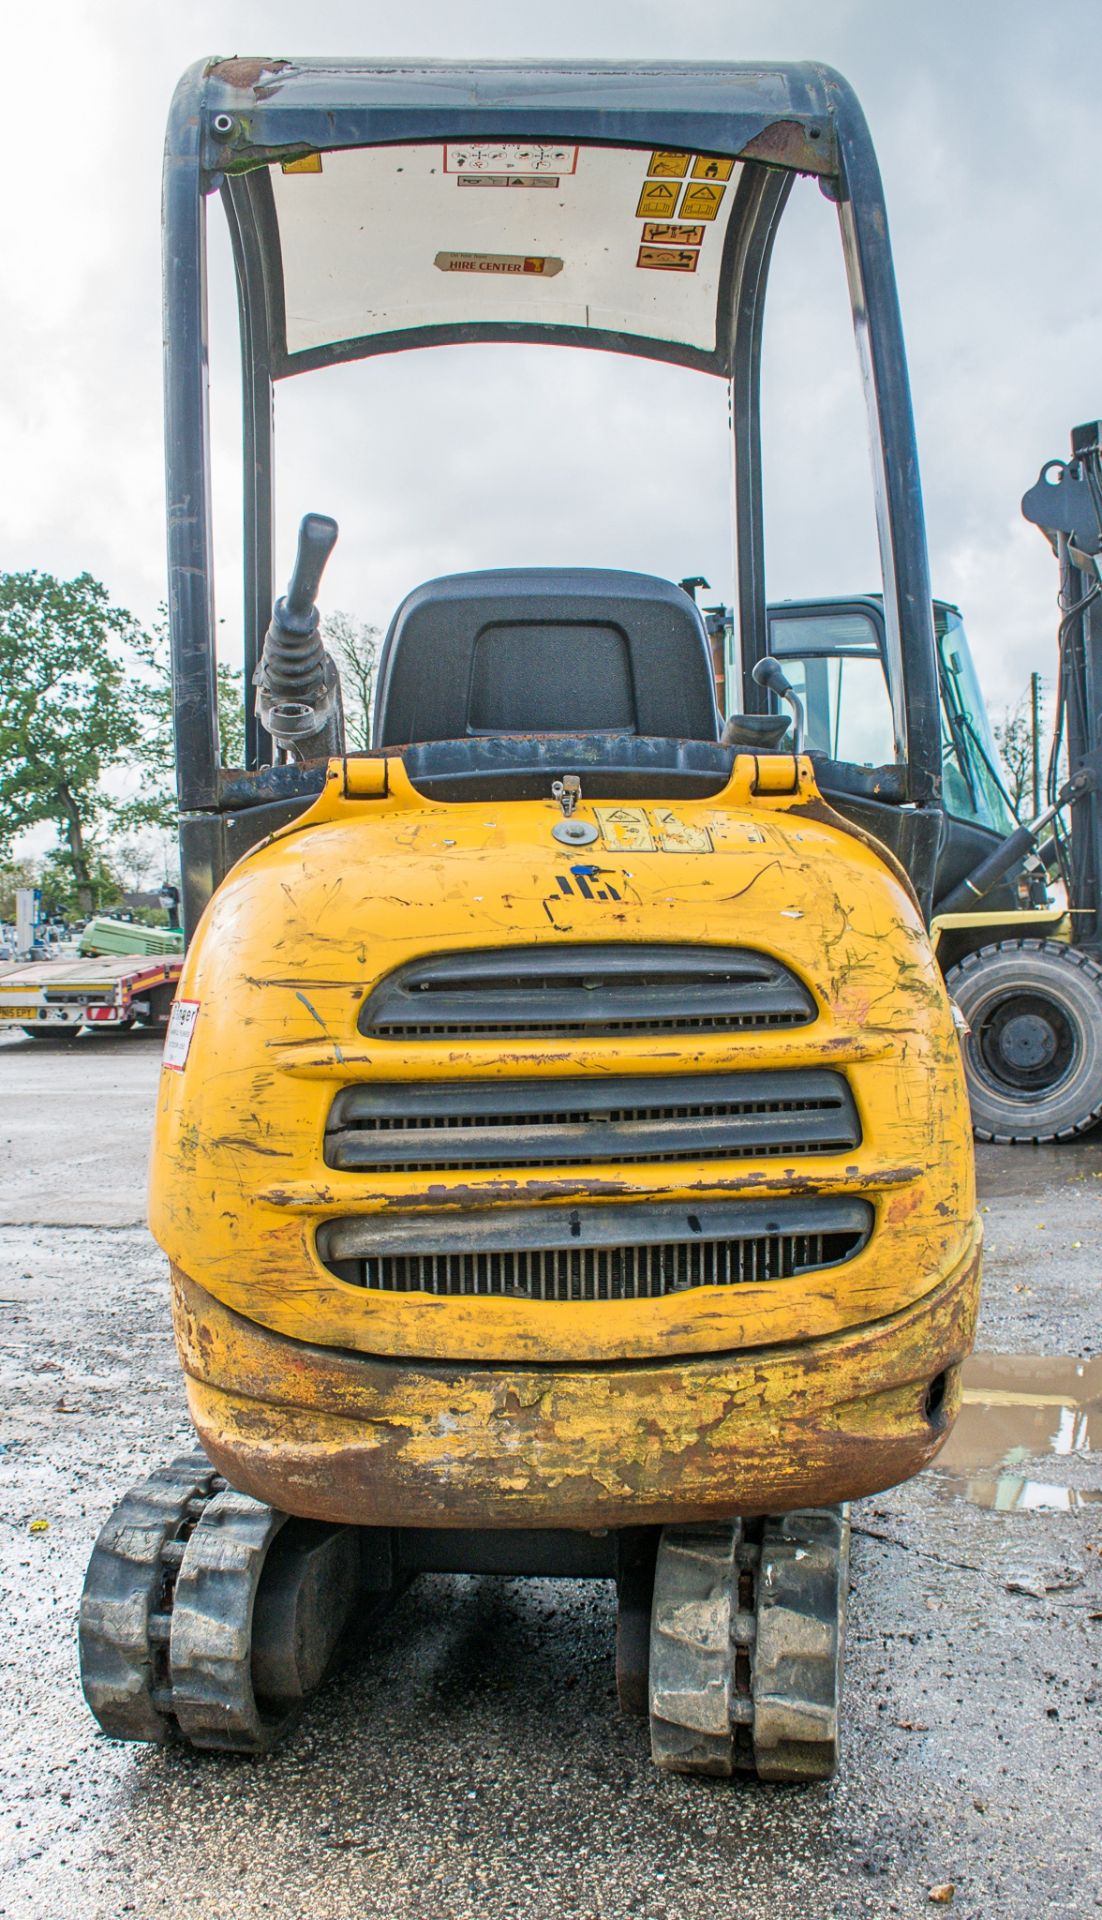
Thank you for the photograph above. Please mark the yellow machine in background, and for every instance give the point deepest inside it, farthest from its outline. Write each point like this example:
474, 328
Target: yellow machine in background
562, 1149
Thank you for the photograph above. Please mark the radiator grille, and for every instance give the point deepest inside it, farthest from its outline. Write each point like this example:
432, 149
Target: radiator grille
585, 1256
607, 1273
462, 1126
584, 991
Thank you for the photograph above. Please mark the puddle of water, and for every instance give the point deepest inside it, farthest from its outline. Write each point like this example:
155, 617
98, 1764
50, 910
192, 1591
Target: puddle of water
1020, 1407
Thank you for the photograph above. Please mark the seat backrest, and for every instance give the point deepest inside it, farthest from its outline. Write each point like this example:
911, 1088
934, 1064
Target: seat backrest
545, 650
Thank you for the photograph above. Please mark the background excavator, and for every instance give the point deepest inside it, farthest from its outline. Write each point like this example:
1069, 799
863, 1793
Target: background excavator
1016, 907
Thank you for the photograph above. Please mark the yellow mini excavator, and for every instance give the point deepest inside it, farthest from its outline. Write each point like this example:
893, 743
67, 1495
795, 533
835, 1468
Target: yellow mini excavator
562, 1150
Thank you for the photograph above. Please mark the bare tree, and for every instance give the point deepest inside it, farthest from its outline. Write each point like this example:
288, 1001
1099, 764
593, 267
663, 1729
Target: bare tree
137, 861
1014, 739
354, 645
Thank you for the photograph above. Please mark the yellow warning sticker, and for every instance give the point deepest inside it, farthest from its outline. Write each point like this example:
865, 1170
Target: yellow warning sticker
668, 233
625, 829
705, 169
702, 201
669, 166
658, 200
677, 836
309, 163
668, 259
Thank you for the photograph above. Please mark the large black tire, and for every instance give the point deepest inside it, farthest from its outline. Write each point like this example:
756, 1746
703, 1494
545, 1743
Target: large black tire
1033, 1055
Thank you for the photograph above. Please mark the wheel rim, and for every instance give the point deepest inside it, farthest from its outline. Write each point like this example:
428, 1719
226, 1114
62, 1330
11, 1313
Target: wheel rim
1025, 1044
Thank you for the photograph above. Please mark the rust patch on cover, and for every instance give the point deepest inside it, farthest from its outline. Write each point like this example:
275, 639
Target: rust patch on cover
358, 1439
246, 75
788, 143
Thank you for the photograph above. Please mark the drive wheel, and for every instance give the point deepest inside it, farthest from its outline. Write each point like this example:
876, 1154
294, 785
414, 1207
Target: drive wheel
747, 1642
1033, 1055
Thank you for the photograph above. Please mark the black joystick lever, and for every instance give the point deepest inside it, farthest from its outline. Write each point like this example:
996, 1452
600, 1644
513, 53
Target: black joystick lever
768, 672
298, 690
317, 536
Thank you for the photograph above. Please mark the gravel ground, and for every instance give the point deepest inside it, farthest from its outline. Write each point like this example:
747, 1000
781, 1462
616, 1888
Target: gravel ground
476, 1763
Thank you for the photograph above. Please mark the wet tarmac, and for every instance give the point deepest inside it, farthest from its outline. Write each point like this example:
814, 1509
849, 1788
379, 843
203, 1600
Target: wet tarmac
475, 1764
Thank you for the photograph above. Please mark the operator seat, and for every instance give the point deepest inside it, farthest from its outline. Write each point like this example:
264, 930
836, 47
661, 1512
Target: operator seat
495, 685
548, 650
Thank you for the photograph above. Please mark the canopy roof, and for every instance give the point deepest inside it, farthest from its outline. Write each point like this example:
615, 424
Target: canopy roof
616, 205
392, 205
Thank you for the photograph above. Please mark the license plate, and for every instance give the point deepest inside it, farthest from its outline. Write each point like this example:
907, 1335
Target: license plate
18, 1013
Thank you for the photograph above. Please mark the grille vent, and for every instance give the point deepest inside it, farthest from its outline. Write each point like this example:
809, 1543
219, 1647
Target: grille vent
587, 1254
466, 1125
584, 991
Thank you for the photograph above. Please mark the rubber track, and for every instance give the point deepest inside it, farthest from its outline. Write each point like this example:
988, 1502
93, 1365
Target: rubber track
127, 1598
799, 1648
747, 1644
210, 1651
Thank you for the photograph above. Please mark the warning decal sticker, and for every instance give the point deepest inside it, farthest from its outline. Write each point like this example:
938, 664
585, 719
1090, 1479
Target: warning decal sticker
658, 200
668, 233
506, 179
668, 259
701, 202
705, 169
625, 829
669, 166
653, 830
507, 156
178, 1038
676, 836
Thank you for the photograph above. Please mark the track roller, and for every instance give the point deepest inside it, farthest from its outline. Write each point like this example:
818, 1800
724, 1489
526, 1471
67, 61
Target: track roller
209, 1615
746, 1646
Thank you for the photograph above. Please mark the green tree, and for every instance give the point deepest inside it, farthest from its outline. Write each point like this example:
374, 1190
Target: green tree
15, 875
72, 710
157, 750
354, 646
231, 715
63, 894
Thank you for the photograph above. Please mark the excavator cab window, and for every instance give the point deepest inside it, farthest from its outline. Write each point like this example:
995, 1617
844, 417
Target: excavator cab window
834, 663
973, 786
833, 656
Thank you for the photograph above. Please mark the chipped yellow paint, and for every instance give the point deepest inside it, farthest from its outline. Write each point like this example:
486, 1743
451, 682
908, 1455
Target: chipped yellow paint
375, 876
387, 1443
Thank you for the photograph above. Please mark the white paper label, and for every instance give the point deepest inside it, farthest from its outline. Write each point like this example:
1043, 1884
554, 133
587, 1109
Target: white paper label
181, 1026
508, 156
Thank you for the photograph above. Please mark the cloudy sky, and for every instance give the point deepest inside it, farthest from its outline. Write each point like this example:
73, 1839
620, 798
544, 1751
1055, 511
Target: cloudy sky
985, 114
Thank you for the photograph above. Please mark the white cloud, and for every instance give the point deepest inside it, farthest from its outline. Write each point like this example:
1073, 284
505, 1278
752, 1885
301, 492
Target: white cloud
986, 122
